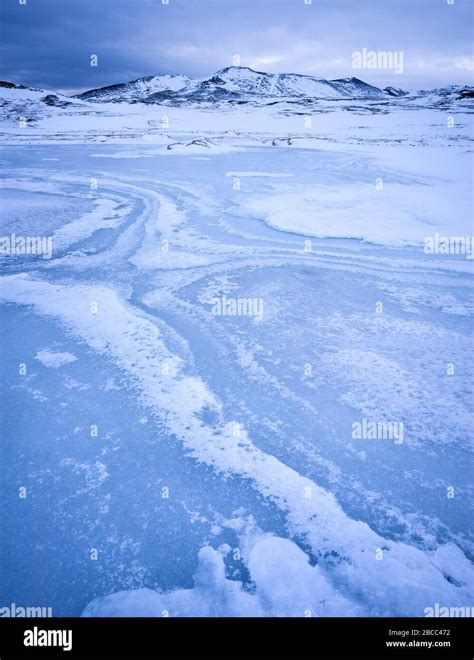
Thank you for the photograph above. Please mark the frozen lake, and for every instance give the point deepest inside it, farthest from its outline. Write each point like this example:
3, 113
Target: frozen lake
194, 368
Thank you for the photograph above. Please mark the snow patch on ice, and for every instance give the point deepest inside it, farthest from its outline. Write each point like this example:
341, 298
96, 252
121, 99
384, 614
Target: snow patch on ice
107, 214
397, 215
54, 359
285, 584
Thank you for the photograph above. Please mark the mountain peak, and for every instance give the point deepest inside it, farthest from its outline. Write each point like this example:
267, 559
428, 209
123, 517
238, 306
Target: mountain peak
352, 79
235, 68
395, 91
11, 85
240, 69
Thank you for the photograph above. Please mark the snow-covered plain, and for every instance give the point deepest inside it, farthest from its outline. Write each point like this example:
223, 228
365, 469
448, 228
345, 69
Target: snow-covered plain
186, 463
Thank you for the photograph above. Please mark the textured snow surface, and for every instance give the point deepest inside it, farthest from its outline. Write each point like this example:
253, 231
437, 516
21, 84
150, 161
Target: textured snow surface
185, 462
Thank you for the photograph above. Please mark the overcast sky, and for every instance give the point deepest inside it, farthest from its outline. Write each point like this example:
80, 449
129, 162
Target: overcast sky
48, 43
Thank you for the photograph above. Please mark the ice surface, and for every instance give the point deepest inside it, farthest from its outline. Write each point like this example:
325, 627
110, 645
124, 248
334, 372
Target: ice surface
209, 459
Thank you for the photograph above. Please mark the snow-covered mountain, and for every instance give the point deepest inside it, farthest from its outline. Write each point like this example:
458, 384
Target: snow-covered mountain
138, 90
442, 97
241, 85
245, 81
22, 93
26, 104
395, 91
234, 84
